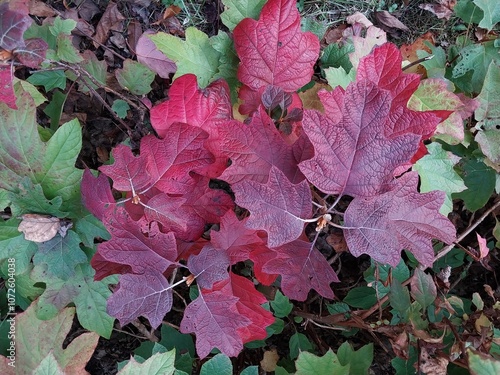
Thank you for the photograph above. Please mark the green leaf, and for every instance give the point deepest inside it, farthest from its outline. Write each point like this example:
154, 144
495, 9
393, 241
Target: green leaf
236, 10
476, 58
89, 227
31, 199
488, 114
13, 245
334, 56
135, 77
480, 182
405, 367
310, 364
481, 364
48, 366
281, 305
314, 26
61, 26
32, 90
299, 343
43, 32
157, 364
97, 69
61, 255
55, 108
66, 51
228, 62
358, 361
399, 297
491, 10
338, 308
194, 55
218, 365
423, 288
468, 11
120, 107
362, 297
250, 370
89, 297
496, 232
436, 173
48, 79
436, 66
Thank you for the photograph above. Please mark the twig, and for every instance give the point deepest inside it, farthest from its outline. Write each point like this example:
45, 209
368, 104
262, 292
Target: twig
448, 248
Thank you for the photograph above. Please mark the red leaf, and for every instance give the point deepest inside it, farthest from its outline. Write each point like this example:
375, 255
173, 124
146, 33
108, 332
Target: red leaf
235, 238
129, 246
249, 305
260, 257
209, 266
401, 218
33, 54
147, 295
352, 155
383, 67
273, 50
7, 94
254, 149
13, 24
96, 194
149, 55
206, 108
168, 212
302, 268
215, 320
278, 207
163, 163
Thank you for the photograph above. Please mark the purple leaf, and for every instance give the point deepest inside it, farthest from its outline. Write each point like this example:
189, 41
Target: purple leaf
209, 266
149, 55
33, 54
13, 24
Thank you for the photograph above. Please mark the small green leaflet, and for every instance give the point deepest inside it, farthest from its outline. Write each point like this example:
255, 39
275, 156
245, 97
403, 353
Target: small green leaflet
237, 10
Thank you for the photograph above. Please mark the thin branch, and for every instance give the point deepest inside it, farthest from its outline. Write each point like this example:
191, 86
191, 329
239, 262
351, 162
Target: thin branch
448, 248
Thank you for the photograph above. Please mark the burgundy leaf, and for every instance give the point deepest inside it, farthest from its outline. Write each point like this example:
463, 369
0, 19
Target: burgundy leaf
215, 320
147, 295
401, 218
131, 247
273, 50
235, 238
254, 149
33, 53
96, 194
352, 154
149, 55
278, 207
167, 211
7, 94
383, 67
209, 266
302, 268
13, 24
206, 108
260, 257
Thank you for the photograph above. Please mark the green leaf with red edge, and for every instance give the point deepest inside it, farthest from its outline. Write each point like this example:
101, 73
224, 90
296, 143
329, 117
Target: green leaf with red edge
35, 339
423, 289
278, 206
273, 50
401, 218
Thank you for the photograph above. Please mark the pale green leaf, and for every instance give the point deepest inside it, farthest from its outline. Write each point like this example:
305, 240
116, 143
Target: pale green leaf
491, 11
237, 10
488, 114
61, 26
32, 90
339, 77
157, 364
310, 364
423, 288
97, 69
436, 173
48, 366
135, 77
66, 51
482, 364
195, 55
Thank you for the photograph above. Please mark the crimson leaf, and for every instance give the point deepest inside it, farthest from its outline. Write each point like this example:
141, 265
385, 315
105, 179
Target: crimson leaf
96, 194
352, 154
147, 294
273, 50
302, 268
278, 206
7, 94
205, 108
401, 218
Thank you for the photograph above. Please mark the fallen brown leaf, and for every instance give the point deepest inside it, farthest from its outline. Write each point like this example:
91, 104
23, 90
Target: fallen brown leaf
409, 52
112, 19
442, 9
389, 23
39, 228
